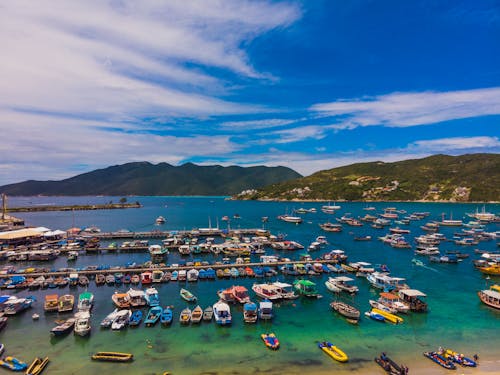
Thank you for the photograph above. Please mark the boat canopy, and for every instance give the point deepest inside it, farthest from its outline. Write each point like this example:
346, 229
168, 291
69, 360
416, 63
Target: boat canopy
250, 306
492, 293
389, 296
343, 278
412, 293
306, 283
266, 305
337, 252
281, 285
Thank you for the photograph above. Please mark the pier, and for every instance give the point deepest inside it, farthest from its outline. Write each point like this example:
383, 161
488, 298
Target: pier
206, 232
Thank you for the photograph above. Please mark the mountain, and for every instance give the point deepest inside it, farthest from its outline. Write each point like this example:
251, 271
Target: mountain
473, 177
143, 178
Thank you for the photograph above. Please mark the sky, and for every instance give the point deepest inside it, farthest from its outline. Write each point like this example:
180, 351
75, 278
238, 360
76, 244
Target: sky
310, 85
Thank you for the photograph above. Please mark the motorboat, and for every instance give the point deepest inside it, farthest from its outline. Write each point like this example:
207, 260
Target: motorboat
121, 319
342, 283
82, 323
285, 290
290, 219
268, 291
153, 316
306, 288
250, 312
121, 300
222, 313
108, 320
85, 301
266, 310
137, 297
63, 328
152, 297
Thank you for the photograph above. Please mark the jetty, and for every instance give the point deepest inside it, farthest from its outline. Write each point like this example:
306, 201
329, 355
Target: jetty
80, 207
207, 232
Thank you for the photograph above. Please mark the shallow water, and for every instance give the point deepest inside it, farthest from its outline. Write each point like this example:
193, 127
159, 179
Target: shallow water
456, 318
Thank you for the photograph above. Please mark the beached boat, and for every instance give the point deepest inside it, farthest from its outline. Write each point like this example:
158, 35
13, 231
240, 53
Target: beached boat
490, 297
51, 303
108, 320
37, 366
121, 319
222, 313
85, 301
197, 314
187, 295
153, 316
152, 297
346, 310
185, 316
333, 351
166, 316
458, 358
82, 323
265, 310
112, 357
306, 288
64, 328
389, 366
13, 364
440, 360
250, 312
135, 318
208, 313
270, 340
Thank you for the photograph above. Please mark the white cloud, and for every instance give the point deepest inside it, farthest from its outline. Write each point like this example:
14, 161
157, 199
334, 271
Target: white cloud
455, 143
411, 109
295, 134
256, 124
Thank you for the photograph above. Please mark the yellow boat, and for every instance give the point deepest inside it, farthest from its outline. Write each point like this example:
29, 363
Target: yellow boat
491, 270
388, 316
37, 366
112, 356
333, 351
495, 287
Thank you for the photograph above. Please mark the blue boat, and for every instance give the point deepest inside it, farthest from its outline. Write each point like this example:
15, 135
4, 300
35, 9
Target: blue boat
166, 316
153, 316
258, 271
135, 318
375, 316
211, 274
13, 364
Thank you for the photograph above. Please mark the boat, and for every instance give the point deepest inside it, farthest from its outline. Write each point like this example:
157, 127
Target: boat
82, 323
385, 282
121, 300
137, 297
66, 303
331, 227
266, 310
394, 302
146, 278
185, 316
153, 316
440, 360
121, 319
160, 220
222, 313
51, 303
108, 320
37, 366
152, 297
208, 313
15, 305
197, 314
306, 288
491, 269
388, 316
390, 367
250, 312
187, 295
285, 290
346, 310
490, 297
270, 340
342, 283
240, 294
166, 316
375, 316
85, 301
459, 358
135, 318
64, 328
35, 316
112, 357
414, 298
333, 351
13, 364
290, 219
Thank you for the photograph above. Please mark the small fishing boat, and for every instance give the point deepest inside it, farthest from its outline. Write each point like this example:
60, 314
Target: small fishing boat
112, 357
153, 316
13, 364
66, 303
152, 297
185, 316
135, 318
51, 303
346, 310
222, 313
108, 320
121, 319
306, 288
208, 314
440, 360
82, 323
270, 340
250, 312
187, 295
64, 328
389, 366
265, 310
166, 316
37, 366
197, 314
121, 300
333, 351
85, 301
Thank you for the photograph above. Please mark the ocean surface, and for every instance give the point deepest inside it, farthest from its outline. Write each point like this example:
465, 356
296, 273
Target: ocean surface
457, 319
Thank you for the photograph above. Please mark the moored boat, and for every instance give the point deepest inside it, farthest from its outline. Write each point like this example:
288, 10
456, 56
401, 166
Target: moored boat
66, 303
153, 316
187, 295
270, 340
13, 364
166, 316
82, 323
121, 319
63, 328
208, 313
85, 301
121, 300
265, 310
108, 320
112, 356
197, 314
185, 316
490, 297
306, 288
346, 310
389, 366
51, 302
152, 297
250, 312
222, 313
135, 318
37, 366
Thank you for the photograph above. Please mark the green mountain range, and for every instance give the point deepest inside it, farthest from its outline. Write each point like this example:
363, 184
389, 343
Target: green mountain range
474, 177
143, 178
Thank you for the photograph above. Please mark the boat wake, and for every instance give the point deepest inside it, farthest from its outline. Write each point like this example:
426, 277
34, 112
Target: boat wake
419, 263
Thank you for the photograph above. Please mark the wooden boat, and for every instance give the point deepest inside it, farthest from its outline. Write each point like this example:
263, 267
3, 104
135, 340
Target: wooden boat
490, 297
51, 302
112, 357
166, 316
440, 360
306, 288
197, 314
37, 366
135, 318
121, 300
66, 303
13, 364
270, 340
153, 316
185, 316
333, 351
187, 295
389, 366
208, 314
345, 309
63, 328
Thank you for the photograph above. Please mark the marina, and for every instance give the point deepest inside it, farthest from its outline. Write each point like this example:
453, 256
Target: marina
266, 271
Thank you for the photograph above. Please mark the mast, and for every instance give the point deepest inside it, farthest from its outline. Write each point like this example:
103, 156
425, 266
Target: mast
4, 205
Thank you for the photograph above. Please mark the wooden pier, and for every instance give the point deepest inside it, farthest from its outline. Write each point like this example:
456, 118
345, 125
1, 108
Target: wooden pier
205, 232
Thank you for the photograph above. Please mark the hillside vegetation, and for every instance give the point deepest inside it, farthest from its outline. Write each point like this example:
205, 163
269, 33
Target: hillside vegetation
474, 177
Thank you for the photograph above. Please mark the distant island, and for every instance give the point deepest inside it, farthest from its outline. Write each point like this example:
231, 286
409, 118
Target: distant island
143, 179
465, 178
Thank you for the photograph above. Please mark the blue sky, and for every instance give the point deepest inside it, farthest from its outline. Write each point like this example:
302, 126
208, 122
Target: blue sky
307, 84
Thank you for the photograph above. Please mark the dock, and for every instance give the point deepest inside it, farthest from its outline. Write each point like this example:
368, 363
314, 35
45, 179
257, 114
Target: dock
205, 232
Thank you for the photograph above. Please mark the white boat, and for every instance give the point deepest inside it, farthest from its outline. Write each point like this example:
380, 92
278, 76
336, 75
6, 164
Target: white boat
160, 220
268, 291
108, 320
152, 297
290, 219
222, 313
342, 283
266, 310
137, 297
82, 323
387, 283
250, 312
85, 301
192, 275
121, 319
285, 290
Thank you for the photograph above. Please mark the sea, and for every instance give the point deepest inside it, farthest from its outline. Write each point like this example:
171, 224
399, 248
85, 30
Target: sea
456, 318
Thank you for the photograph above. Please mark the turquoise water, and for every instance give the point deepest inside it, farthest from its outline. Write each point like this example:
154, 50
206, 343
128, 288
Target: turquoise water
456, 318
